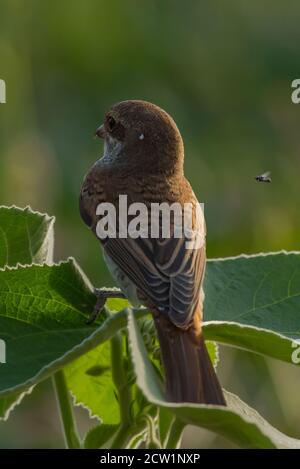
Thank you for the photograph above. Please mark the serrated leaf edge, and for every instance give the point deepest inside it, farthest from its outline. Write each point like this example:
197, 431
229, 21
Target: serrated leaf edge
253, 256
29, 209
15, 403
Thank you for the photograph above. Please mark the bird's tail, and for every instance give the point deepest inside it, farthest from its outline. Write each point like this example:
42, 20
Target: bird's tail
190, 375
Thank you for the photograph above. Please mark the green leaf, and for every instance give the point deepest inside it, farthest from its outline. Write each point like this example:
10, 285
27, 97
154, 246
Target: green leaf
42, 317
25, 237
96, 392
237, 422
43, 312
99, 435
253, 302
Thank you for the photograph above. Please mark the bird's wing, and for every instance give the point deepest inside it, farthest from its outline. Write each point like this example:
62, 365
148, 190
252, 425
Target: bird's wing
266, 174
164, 271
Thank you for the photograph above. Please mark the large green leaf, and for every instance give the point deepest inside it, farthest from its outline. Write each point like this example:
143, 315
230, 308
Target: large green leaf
237, 422
42, 317
25, 237
43, 312
253, 302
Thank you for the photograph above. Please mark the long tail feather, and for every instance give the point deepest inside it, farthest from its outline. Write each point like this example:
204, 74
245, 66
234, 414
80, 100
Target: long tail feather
190, 375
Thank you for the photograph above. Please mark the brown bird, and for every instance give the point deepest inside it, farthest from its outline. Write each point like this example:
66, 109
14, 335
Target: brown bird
143, 159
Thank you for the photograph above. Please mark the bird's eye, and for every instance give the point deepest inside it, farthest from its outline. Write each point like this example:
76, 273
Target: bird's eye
111, 123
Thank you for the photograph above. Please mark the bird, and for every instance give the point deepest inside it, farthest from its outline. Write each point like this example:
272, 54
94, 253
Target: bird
266, 177
143, 159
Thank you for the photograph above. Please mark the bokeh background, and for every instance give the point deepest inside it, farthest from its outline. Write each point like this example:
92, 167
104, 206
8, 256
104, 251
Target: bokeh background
223, 70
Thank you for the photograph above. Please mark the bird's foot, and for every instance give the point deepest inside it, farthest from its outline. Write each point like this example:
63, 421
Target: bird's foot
102, 296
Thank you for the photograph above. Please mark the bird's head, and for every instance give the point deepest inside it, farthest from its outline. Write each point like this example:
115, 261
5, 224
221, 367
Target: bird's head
142, 136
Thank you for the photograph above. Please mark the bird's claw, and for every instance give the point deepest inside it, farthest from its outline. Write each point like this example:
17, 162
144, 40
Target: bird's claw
100, 303
102, 296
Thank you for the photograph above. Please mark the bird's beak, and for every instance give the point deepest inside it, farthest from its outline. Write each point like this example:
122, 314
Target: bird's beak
100, 132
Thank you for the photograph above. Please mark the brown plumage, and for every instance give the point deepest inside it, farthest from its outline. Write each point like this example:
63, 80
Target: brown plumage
143, 158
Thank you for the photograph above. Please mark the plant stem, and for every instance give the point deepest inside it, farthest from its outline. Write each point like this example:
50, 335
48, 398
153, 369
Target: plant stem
120, 380
152, 440
175, 434
122, 437
126, 435
65, 410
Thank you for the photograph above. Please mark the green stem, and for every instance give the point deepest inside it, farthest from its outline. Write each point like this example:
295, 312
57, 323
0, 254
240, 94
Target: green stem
175, 434
123, 389
126, 435
122, 437
152, 440
66, 410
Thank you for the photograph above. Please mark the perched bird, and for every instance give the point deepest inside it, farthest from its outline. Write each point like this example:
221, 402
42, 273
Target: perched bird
143, 158
266, 177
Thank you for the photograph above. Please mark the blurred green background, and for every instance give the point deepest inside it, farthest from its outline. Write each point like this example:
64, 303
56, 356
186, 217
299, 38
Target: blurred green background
223, 70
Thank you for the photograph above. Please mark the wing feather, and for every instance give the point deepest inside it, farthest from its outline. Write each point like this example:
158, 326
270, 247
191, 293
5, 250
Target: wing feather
164, 271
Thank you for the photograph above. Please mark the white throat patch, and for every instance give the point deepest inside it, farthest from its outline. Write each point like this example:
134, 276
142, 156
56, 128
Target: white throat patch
112, 149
